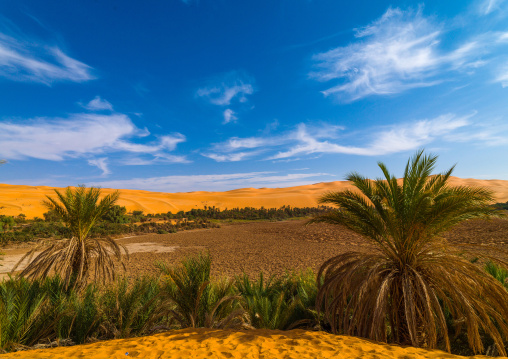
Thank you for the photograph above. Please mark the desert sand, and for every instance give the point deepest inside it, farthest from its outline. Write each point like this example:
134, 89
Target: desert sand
18, 199
213, 343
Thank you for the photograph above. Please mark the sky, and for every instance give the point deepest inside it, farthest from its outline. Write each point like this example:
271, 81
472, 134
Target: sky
214, 95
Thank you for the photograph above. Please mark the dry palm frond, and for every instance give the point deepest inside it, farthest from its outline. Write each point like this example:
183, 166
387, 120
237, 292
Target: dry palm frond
74, 258
402, 290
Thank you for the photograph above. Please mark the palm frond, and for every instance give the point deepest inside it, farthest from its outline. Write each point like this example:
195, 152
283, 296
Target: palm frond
80, 257
401, 291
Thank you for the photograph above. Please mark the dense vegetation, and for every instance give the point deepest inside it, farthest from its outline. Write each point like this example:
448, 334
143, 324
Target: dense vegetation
42, 311
46, 312
503, 206
117, 221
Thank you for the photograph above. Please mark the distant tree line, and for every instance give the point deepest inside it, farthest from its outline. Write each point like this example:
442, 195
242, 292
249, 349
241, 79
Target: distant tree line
246, 213
118, 221
502, 206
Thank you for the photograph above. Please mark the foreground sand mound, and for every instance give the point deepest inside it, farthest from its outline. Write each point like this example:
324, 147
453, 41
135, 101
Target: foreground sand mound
211, 343
18, 199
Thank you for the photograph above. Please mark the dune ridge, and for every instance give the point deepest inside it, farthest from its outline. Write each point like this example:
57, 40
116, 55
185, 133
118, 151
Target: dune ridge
259, 343
24, 199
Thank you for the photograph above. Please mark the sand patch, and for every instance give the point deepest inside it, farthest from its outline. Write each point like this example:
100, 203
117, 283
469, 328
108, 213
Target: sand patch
10, 260
149, 247
212, 343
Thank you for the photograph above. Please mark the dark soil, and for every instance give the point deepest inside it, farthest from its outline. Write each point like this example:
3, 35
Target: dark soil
275, 247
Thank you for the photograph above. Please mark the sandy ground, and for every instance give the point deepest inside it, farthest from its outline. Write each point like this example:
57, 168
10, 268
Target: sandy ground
13, 256
212, 343
27, 199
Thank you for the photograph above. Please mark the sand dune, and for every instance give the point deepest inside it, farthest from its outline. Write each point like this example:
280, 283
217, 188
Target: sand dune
18, 199
211, 343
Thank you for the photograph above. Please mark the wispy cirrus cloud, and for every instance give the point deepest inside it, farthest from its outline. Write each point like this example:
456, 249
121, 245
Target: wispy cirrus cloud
396, 139
100, 163
214, 182
230, 89
25, 59
98, 104
307, 140
231, 157
502, 75
489, 6
222, 90
229, 115
399, 51
82, 135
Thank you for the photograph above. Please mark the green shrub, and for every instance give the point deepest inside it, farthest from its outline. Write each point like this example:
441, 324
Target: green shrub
497, 272
281, 303
194, 300
23, 316
116, 214
131, 307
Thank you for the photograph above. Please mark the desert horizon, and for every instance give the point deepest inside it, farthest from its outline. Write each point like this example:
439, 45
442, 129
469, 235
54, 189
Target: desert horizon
27, 199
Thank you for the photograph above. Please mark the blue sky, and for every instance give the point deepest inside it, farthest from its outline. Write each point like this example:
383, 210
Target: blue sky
215, 94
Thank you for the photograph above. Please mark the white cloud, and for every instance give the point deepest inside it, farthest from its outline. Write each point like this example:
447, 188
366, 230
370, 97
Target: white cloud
230, 89
502, 76
249, 142
398, 52
489, 6
223, 94
492, 133
218, 182
331, 139
153, 159
78, 135
170, 142
28, 60
99, 104
222, 90
102, 164
229, 116
231, 157
397, 139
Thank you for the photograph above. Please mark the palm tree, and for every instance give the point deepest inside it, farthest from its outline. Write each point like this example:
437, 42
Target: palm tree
74, 258
413, 281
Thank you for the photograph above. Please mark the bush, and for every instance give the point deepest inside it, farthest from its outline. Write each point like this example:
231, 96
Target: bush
194, 300
282, 303
116, 214
130, 308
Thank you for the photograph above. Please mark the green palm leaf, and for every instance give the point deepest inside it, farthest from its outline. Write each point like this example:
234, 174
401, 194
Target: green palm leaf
401, 289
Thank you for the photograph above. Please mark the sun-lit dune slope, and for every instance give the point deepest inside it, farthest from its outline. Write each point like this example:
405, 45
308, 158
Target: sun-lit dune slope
213, 343
17, 199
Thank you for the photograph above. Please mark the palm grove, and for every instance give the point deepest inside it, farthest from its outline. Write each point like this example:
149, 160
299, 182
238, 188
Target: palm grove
412, 288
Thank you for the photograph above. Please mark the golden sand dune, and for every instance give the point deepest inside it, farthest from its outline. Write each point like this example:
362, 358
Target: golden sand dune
16, 199
211, 343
